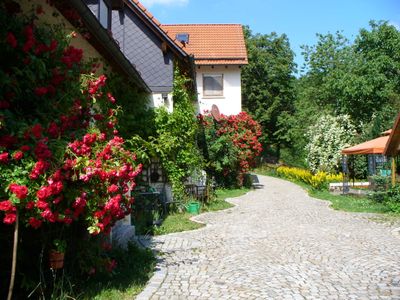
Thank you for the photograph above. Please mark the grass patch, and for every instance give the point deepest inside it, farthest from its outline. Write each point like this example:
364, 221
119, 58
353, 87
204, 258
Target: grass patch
350, 203
135, 267
178, 222
221, 195
338, 202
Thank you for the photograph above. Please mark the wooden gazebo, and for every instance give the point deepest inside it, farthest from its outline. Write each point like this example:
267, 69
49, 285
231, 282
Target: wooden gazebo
392, 148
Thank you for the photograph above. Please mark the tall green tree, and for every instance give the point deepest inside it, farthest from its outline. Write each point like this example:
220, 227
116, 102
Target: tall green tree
360, 79
267, 83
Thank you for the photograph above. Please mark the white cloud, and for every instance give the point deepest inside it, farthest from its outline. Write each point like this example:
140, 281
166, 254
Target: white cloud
149, 3
395, 24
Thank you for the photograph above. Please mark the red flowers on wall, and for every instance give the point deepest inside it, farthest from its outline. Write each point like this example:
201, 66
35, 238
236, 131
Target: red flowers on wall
61, 160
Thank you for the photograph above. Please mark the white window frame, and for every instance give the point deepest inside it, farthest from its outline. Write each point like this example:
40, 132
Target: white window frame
215, 93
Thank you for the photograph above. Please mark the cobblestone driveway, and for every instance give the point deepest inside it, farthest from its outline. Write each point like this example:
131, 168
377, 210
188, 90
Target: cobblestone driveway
278, 243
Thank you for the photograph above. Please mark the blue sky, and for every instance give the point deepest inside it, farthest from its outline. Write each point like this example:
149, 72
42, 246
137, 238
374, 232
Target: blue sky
300, 20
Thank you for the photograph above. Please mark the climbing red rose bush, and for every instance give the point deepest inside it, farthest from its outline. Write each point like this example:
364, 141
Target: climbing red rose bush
230, 146
61, 159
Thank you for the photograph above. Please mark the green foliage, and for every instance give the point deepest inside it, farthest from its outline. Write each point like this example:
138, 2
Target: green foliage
60, 245
134, 269
230, 147
342, 77
327, 138
393, 199
350, 203
135, 116
177, 222
176, 136
267, 83
390, 197
174, 139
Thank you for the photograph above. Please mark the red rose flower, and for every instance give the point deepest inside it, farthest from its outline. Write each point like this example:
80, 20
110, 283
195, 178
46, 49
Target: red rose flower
53, 45
11, 40
41, 91
35, 223
9, 218
18, 155
113, 188
4, 104
110, 98
4, 157
30, 205
21, 191
40, 167
42, 204
53, 130
44, 192
37, 131
6, 205
48, 215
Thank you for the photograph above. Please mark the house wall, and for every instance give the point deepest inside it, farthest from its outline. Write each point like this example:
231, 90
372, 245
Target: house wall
52, 16
231, 101
159, 100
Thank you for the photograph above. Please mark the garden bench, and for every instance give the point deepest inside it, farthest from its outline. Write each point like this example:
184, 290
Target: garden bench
255, 183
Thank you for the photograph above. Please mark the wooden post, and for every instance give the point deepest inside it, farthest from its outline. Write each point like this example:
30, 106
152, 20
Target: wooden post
393, 172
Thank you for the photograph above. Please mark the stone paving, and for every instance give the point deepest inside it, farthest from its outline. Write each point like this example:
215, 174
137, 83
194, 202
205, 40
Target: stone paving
278, 243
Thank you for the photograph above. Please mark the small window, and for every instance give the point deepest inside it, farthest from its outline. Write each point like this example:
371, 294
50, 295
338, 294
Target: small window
213, 85
104, 14
183, 37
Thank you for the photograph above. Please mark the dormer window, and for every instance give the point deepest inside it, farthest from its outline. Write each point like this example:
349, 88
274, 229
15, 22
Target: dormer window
183, 38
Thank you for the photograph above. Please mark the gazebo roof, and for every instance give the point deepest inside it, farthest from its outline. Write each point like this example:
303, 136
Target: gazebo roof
375, 146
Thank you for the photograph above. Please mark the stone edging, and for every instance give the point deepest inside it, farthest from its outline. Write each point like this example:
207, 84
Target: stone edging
153, 284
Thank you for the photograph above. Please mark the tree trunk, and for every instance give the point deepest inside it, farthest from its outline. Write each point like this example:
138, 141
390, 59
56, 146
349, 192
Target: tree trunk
14, 259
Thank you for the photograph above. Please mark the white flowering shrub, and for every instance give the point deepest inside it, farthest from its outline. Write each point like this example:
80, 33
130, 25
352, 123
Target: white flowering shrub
327, 138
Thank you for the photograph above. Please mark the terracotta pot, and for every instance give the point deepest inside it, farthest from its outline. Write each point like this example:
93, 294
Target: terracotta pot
56, 259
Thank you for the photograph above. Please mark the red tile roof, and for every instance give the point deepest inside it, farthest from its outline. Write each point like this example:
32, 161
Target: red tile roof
148, 14
212, 44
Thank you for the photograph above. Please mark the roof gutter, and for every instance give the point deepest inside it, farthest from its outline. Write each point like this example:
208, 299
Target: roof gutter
108, 44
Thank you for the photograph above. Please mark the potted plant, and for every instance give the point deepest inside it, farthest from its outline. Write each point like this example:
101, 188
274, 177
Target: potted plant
56, 255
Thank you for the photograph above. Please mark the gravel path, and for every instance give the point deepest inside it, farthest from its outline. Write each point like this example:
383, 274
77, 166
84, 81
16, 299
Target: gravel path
278, 243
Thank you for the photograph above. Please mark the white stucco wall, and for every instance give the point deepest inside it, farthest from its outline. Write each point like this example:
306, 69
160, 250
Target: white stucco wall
231, 101
158, 101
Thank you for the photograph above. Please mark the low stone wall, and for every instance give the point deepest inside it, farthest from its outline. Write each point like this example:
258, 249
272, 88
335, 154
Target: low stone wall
337, 187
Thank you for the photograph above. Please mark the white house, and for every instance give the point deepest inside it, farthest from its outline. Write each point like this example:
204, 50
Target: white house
219, 53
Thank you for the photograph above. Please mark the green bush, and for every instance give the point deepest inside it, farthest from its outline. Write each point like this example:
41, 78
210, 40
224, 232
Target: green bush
380, 183
393, 199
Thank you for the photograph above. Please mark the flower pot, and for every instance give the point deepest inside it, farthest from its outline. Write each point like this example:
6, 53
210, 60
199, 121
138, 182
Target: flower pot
193, 208
56, 259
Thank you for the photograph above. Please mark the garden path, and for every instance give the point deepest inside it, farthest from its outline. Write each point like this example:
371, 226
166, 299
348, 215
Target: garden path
278, 243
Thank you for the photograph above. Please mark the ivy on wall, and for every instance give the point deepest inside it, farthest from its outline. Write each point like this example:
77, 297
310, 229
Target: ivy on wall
174, 138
